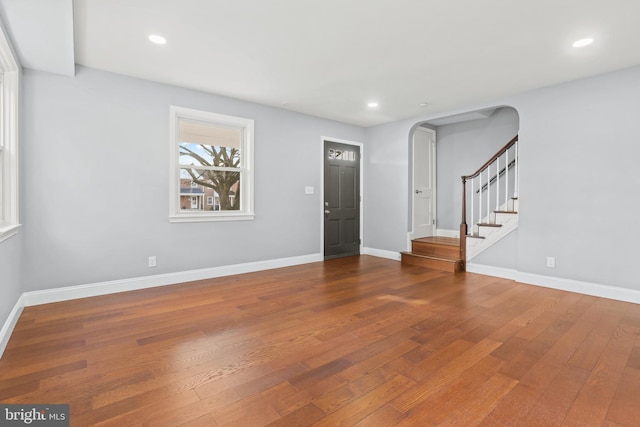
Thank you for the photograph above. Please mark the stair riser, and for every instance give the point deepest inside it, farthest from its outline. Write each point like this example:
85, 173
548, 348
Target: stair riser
449, 266
487, 231
441, 251
502, 218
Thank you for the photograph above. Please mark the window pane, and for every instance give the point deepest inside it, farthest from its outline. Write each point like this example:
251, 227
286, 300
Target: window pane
199, 187
335, 154
206, 144
208, 155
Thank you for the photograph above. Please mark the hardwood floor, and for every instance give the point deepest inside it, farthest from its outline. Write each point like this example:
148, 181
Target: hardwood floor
354, 341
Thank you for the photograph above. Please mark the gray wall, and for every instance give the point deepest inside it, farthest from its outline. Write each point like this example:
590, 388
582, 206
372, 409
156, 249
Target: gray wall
579, 150
579, 145
10, 282
461, 149
95, 152
386, 186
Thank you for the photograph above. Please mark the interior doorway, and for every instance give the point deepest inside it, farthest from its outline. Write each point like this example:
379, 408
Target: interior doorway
423, 147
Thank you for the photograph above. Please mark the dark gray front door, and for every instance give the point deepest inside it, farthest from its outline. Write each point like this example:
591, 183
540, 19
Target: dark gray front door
341, 200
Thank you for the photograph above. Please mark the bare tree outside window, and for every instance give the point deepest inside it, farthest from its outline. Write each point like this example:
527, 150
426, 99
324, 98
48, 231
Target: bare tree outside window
224, 182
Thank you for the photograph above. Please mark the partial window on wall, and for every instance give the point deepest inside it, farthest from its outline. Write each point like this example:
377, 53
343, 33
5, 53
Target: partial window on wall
9, 83
211, 160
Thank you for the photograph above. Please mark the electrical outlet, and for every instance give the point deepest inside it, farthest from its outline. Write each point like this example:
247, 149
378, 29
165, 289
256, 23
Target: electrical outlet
152, 261
551, 262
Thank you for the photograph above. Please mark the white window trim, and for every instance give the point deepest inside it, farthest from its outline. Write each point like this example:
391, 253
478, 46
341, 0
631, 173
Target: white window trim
246, 184
10, 69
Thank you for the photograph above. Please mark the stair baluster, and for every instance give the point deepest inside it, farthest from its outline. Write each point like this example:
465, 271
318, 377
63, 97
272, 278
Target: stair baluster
472, 203
516, 176
498, 183
479, 203
506, 176
488, 192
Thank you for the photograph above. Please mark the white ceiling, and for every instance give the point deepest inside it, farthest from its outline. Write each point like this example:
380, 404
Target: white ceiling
42, 33
328, 58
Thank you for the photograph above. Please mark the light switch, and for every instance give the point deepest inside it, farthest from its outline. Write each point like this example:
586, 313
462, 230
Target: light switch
308, 190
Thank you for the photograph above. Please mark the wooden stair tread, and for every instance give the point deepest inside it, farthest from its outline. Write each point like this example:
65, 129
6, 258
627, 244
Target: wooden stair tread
488, 224
438, 240
439, 258
506, 212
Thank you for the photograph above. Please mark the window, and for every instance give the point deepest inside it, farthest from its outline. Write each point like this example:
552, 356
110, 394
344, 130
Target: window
335, 154
9, 83
211, 159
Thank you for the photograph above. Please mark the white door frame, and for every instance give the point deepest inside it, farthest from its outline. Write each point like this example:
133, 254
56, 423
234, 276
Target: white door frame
321, 210
411, 234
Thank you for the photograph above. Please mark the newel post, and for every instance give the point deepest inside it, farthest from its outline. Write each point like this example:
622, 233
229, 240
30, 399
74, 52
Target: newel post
463, 224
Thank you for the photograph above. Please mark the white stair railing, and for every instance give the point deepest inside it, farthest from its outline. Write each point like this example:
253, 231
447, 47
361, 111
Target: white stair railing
490, 183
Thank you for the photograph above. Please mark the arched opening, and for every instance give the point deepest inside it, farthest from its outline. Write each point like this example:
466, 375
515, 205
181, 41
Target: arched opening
463, 142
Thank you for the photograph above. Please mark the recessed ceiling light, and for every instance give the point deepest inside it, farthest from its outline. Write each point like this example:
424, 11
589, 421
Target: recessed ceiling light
372, 104
582, 42
423, 104
154, 38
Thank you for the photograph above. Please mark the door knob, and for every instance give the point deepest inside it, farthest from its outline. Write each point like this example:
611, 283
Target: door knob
327, 212
418, 191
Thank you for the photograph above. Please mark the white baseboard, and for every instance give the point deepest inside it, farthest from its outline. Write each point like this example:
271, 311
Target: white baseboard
10, 323
488, 270
382, 253
587, 288
448, 233
111, 287
569, 285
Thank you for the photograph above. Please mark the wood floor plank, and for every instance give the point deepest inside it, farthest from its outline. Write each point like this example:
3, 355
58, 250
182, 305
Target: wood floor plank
459, 393
555, 402
625, 405
386, 415
488, 395
594, 398
358, 409
355, 341
448, 373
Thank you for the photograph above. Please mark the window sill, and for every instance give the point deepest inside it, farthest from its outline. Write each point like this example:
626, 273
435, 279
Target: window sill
8, 231
208, 217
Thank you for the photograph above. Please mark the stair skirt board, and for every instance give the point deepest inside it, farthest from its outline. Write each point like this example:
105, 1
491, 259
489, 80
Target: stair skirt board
490, 236
492, 228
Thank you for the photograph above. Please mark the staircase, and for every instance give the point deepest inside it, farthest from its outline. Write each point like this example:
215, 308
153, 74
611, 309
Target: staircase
493, 228
491, 205
440, 253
